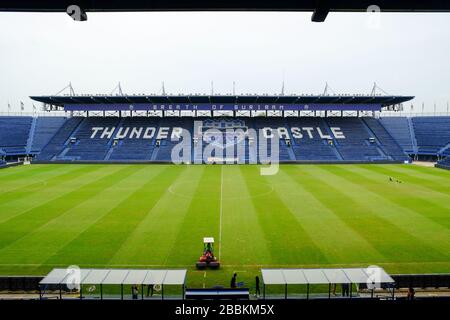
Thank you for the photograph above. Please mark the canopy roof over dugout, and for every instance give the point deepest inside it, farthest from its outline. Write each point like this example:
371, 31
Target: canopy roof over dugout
141, 277
325, 276
372, 275
118, 277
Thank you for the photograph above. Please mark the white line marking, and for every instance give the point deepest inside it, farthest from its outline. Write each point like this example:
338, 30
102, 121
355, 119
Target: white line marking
221, 210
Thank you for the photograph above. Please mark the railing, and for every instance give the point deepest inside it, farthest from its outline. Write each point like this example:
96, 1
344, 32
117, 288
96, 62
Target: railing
438, 280
67, 114
34, 114
412, 114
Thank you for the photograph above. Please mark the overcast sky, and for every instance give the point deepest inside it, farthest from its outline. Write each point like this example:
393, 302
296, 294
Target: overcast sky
406, 54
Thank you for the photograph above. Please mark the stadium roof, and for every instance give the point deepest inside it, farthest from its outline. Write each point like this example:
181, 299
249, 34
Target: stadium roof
325, 276
222, 99
319, 7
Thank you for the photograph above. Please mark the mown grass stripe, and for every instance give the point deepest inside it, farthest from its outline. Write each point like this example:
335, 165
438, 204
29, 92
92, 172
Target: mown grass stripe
15, 204
241, 231
351, 205
100, 242
432, 206
438, 186
201, 219
29, 189
161, 225
419, 233
320, 222
280, 227
39, 245
428, 171
18, 173
19, 226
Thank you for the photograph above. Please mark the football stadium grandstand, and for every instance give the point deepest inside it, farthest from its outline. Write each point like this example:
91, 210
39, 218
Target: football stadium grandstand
310, 129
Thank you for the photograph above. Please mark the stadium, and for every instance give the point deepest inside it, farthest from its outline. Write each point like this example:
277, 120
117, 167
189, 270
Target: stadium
126, 186
256, 203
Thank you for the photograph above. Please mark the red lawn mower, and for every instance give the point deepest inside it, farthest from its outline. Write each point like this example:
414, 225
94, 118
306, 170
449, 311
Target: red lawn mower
208, 260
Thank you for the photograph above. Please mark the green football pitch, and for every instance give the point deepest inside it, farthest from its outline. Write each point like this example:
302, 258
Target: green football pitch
155, 216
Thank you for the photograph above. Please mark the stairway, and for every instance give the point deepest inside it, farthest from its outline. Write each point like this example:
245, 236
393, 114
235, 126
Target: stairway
447, 147
335, 143
31, 135
413, 136
110, 142
379, 146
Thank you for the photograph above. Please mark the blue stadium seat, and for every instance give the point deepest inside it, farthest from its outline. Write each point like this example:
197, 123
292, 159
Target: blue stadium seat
385, 140
432, 134
85, 147
358, 144
14, 133
445, 163
128, 149
366, 139
45, 129
163, 152
285, 153
400, 129
56, 144
317, 148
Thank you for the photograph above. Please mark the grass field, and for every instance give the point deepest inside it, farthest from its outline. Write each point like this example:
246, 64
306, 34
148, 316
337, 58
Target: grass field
154, 216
